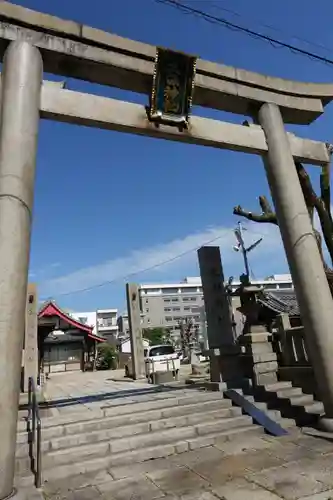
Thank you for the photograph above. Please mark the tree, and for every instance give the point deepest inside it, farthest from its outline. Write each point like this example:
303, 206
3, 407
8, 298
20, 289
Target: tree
188, 335
107, 357
315, 203
157, 335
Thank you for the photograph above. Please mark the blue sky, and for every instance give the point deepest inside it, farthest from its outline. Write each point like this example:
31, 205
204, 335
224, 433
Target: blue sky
126, 203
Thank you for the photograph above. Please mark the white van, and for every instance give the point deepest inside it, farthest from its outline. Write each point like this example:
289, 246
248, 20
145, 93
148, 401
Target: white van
158, 358
161, 358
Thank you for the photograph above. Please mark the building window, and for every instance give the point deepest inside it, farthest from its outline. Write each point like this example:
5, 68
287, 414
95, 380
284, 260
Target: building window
186, 299
83, 320
167, 309
168, 318
147, 309
166, 300
147, 301
148, 320
193, 299
187, 308
270, 287
176, 308
174, 300
285, 285
168, 291
191, 289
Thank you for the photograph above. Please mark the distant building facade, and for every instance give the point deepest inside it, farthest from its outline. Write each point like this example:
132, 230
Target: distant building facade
103, 321
164, 305
123, 324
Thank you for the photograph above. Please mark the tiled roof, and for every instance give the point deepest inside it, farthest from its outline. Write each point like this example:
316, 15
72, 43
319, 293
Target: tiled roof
281, 301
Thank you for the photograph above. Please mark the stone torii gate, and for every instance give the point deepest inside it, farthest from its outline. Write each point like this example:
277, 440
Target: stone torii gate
30, 43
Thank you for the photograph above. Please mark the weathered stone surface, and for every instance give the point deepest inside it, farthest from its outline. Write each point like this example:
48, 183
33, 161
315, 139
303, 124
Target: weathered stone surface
319, 469
259, 348
260, 337
242, 445
264, 357
89, 493
270, 366
291, 452
179, 481
234, 466
289, 482
316, 444
265, 378
61, 488
326, 495
138, 488
240, 489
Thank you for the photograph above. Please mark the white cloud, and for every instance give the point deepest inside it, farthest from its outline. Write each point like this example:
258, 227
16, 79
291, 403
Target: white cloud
178, 253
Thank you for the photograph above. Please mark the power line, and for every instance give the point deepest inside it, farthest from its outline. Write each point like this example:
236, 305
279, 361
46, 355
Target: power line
270, 27
236, 27
130, 275
121, 278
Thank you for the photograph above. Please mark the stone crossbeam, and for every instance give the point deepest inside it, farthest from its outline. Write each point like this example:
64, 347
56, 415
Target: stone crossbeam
79, 51
105, 113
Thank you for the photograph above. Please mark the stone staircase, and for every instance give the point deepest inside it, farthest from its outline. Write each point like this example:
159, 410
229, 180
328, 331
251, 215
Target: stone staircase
284, 403
123, 433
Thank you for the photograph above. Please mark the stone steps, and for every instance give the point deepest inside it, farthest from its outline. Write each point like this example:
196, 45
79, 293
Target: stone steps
56, 430
139, 441
125, 432
92, 464
273, 414
289, 401
107, 431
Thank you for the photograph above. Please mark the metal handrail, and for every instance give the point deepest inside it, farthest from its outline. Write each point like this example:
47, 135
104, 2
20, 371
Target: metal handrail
34, 428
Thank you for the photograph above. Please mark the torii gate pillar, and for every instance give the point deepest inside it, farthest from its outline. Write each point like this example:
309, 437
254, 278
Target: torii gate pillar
302, 253
20, 101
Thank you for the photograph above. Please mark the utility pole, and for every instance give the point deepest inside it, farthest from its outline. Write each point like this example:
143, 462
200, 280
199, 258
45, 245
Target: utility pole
241, 247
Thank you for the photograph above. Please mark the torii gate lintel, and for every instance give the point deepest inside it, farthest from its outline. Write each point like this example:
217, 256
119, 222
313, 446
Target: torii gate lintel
35, 39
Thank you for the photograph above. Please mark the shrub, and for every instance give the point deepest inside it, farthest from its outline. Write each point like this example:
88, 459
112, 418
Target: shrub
107, 357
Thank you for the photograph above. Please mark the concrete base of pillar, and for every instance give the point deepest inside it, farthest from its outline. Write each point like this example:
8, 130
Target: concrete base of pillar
326, 424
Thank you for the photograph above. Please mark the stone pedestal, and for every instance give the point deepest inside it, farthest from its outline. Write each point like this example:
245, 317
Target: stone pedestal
258, 360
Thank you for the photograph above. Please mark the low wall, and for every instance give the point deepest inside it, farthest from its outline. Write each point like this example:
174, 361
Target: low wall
294, 363
70, 366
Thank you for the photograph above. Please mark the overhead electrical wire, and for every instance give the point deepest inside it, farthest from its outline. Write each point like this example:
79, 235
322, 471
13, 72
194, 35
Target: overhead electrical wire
236, 27
140, 271
269, 26
217, 20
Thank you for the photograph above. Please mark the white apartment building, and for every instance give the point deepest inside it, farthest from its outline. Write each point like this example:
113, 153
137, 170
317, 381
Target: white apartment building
104, 322
123, 324
164, 304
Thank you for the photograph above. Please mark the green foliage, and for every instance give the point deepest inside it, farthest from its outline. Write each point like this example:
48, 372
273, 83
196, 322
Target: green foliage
157, 335
107, 357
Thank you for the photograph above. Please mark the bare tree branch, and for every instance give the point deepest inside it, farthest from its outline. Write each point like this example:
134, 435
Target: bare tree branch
267, 214
322, 205
325, 188
314, 201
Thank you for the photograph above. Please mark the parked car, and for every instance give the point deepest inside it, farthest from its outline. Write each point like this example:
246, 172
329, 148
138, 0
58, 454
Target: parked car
158, 358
